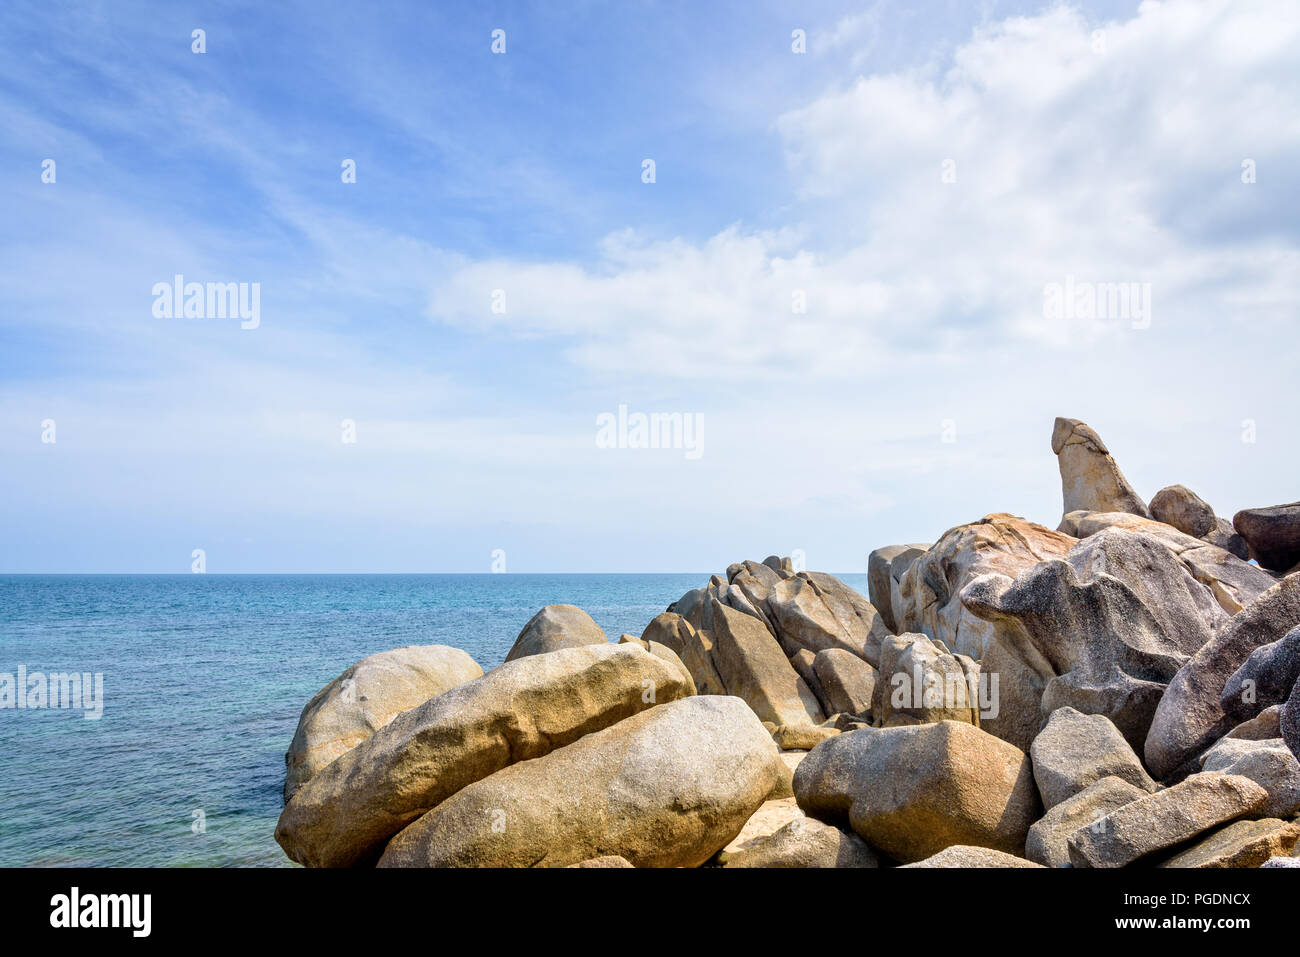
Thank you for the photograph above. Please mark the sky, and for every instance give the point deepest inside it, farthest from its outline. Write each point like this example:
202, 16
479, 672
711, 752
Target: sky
839, 273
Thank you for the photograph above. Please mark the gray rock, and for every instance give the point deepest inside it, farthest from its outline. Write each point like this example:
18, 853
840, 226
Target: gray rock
1264, 679
754, 668
882, 580
1282, 862
1266, 724
1048, 840
1240, 844
1273, 534
1186, 511
848, 683
1289, 723
1269, 763
1090, 479
817, 611
1073, 751
921, 681
1162, 821
556, 627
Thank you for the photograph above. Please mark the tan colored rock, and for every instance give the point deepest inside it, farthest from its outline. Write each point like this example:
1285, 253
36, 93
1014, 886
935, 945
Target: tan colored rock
1268, 762
662, 652
610, 860
801, 737
521, 710
1048, 840
367, 696
848, 683
1075, 750
803, 842
1090, 479
693, 648
885, 568
910, 792
920, 681
964, 855
1160, 822
556, 627
669, 787
817, 611
754, 668
771, 816
1241, 844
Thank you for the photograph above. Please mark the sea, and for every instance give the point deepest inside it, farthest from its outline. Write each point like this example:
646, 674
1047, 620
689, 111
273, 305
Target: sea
204, 678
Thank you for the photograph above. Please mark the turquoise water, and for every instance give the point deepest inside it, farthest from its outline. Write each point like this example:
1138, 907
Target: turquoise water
204, 679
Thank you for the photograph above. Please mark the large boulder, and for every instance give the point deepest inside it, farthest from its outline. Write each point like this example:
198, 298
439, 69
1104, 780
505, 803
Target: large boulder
1269, 763
912, 791
1264, 679
666, 788
693, 648
753, 667
556, 627
1113, 622
817, 611
1074, 750
1163, 820
803, 842
885, 568
847, 682
964, 855
1048, 840
1190, 716
1240, 844
524, 709
930, 603
921, 681
1090, 479
662, 652
1186, 511
366, 697
1273, 534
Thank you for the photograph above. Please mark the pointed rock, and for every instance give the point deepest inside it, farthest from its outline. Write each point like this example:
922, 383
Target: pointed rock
1090, 479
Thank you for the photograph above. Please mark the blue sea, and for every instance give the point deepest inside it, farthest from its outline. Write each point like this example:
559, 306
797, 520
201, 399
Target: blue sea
204, 679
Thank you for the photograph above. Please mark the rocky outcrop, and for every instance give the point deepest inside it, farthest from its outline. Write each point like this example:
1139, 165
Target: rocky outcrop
1265, 678
1161, 821
754, 668
1048, 840
663, 653
847, 682
885, 569
1289, 721
1186, 511
963, 855
669, 787
1074, 751
1190, 717
1090, 479
694, 649
920, 681
913, 791
556, 627
524, 709
1273, 535
1268, 762
816, 611
803, 842
367, 696
1241, 844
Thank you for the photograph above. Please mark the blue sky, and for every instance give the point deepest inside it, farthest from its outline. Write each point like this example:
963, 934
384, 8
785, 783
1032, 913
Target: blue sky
1103, 142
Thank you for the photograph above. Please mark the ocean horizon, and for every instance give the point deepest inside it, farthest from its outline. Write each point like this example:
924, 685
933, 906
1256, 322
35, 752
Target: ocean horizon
204, 679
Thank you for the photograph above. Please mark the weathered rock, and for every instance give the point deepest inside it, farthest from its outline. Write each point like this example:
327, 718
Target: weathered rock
1289, 722
1073, 751
1241, 844
1186, 511
521, 710
1190, 717
920, 681
910, 792
367, 696
801, 737
1225, 536
1264, 679
817, 611
668, 787
693, 648
1282, 862
964, 855
803, 842
1161, 821
930, 603
802, 662
662, 652
1273, 534
556, 627
753, 667
847, 682
1048, 840
609, 860
1266, 724
881, 580
1113, 623
784, 787
1269, 763
1090, 479
772, 815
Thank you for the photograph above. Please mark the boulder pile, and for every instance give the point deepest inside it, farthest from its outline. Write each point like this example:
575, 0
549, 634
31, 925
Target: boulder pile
1123, 689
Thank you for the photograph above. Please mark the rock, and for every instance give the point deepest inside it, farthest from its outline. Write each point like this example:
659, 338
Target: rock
1105, 629
1048, 840
801, 737
1161, 821
1186, 511
1269, 763
1241, 844
803, 842
662, 652
784, 787
609, 860
668, 787
772, 815
1282, 862
1074, 751
693, 648
802, 662
1273, 534
556, 627
521, 710
930, 603
1090, 479
1264, 679
1224, 536
1190, 717
847, 682
1266, 724
1289, 723
912, 791
367, 696
753, 667
881, 580
921, 682
817, 611
963, 855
